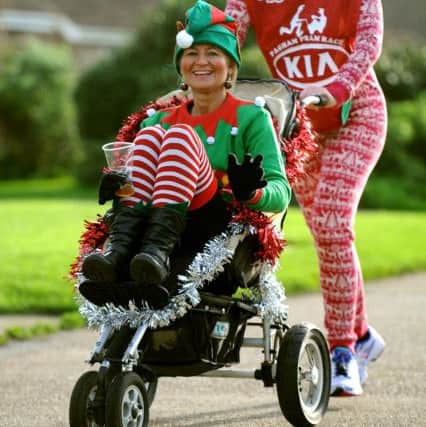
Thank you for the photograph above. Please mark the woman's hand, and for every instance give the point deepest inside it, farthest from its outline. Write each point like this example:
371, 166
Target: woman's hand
247, 177
327, 99
109, 184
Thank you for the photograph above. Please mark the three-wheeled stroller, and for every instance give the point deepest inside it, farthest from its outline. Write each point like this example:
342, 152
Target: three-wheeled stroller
200, 333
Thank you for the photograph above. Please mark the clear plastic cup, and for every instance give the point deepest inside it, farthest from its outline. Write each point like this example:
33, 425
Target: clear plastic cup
118, 155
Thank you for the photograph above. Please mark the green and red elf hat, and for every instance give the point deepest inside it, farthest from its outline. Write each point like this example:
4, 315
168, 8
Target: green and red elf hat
206, 24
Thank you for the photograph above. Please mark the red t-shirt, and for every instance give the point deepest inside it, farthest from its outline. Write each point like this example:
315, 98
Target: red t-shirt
307, 42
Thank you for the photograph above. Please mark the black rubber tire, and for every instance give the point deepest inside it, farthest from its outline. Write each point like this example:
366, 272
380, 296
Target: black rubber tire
82, 392
303, 360
151, 389
127, 388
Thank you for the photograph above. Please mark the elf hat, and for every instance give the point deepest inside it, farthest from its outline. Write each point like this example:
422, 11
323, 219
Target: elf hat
206, 24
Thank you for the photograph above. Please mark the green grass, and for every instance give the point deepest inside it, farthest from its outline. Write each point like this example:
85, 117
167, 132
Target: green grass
55, 188
39, 240
67, 321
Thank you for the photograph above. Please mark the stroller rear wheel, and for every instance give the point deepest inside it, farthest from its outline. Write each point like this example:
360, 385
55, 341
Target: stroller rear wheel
303, 375
127, 402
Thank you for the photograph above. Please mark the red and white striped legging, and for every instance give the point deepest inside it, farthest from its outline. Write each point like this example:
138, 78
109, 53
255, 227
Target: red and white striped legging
170, 167
329, 195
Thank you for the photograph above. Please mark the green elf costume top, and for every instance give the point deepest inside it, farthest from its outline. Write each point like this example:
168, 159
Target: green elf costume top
237, 126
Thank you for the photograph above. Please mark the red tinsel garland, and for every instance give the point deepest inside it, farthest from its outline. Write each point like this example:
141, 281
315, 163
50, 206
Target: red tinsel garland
92, 238
300, 147
131, 125
270, 242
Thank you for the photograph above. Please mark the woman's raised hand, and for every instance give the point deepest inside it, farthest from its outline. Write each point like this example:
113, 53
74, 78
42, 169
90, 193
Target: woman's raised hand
247, 177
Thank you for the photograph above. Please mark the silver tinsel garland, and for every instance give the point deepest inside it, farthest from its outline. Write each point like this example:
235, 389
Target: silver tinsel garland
271, 296
217, 252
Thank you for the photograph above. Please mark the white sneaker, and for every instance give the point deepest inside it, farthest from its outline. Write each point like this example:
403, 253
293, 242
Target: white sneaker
344, 373
367, 351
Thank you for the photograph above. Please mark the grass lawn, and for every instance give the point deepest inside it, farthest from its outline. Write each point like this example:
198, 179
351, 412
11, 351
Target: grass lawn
40, 231
39, 242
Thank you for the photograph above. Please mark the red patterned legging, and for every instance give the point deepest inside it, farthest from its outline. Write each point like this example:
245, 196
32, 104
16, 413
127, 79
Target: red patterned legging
169, 167
329, 197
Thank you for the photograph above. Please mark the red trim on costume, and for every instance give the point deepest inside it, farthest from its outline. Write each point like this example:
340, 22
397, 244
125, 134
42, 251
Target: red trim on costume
257, 196
230, 26
218, 16
201, 199
227, 112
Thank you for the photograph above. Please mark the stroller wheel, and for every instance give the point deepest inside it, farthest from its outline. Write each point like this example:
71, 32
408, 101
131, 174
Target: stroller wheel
151, 389
127, 402
303, 375
83, 394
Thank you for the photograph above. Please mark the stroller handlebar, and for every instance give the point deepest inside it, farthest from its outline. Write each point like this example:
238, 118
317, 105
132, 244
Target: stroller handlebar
317, 100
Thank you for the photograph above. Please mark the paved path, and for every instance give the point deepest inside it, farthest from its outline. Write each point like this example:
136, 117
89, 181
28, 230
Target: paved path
36, 377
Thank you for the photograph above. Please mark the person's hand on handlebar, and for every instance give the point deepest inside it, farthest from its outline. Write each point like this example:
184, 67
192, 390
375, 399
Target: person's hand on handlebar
325, 98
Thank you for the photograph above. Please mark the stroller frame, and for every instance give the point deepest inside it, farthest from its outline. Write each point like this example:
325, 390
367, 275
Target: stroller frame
268, 343
295, 360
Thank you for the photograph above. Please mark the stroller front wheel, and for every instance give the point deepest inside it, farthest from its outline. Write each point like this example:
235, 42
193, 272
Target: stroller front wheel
303, 375
127, 402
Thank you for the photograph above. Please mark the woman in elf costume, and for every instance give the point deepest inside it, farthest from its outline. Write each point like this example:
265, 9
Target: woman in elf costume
188, 162
328, 48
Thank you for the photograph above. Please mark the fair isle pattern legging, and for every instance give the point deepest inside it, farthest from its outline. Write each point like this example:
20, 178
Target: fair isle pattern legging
329, 195
170, 167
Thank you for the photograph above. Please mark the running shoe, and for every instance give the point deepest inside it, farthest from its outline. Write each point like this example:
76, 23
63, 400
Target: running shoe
344, 373
368, 349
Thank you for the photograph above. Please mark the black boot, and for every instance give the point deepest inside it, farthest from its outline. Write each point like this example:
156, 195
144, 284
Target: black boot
151, 266
124, 234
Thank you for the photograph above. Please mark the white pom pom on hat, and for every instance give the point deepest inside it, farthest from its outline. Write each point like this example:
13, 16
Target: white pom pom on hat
184, 39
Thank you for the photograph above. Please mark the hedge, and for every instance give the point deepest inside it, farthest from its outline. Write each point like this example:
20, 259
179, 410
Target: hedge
38, 131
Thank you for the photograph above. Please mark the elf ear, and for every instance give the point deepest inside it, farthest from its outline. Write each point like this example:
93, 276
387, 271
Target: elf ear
179, 26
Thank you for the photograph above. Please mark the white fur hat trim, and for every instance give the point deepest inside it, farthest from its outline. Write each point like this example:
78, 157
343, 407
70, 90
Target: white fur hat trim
184, 39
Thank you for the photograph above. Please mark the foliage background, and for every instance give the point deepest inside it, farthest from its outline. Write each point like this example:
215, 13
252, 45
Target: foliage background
38, 127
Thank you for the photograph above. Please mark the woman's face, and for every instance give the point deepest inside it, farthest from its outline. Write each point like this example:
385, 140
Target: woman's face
205, 67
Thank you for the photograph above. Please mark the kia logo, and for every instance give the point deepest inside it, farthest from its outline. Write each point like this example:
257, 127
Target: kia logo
311, 62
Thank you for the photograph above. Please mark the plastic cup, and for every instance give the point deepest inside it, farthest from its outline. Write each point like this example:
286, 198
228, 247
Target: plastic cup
117, 155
